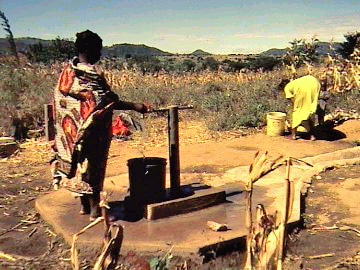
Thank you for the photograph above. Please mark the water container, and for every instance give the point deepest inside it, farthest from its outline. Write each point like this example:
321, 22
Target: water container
147, 179
275, 123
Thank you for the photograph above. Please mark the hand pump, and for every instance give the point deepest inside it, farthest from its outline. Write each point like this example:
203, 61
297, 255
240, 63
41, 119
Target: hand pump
174, 150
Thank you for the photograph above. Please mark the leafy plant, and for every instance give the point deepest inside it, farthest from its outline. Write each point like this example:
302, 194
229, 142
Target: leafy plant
302, 51
161, 263
59, 50
348, 46
9, 35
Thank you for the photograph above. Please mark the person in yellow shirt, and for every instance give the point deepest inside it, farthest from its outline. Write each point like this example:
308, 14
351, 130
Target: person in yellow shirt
304, 94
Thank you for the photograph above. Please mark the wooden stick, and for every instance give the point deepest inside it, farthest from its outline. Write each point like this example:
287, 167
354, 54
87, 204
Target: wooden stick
7, 257
32, 232
248, 222
285, 211
321, 256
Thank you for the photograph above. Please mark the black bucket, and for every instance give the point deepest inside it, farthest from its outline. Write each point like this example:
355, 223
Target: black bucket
147, 179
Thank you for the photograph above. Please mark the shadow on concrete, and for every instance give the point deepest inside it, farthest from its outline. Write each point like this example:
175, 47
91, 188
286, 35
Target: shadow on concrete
133, 211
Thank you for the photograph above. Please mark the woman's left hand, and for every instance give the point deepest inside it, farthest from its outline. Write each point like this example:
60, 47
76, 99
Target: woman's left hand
146, 107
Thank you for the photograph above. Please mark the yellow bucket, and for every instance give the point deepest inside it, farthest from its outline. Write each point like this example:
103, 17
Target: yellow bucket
275, 123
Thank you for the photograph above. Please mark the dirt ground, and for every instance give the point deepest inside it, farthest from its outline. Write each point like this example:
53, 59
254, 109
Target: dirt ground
331, 201
330, 223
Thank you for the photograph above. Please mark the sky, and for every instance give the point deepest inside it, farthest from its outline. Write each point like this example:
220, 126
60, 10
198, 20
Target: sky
183, 26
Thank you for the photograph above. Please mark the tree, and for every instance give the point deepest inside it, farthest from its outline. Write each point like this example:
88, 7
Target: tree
9, 35
266, 63
348, 46
187, 65
211, 63
62, 49
59, 50
302, 51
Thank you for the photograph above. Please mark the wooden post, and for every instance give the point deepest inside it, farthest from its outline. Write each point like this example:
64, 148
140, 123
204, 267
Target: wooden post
174, 159
285, 214
49, 122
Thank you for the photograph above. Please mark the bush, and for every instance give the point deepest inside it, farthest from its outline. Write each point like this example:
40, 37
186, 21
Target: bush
224, 101
348, 46
59, 50
23, 92
245, 105
266, 63
349, 100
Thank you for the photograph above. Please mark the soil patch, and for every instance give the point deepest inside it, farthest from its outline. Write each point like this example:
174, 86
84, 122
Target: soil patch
328, 210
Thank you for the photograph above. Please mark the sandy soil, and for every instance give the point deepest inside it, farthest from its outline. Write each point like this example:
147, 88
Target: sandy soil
333, 201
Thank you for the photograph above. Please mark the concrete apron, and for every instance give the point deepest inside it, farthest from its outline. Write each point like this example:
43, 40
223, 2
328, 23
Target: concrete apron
187, 233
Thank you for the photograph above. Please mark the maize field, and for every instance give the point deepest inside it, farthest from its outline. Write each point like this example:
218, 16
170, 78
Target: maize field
223, 100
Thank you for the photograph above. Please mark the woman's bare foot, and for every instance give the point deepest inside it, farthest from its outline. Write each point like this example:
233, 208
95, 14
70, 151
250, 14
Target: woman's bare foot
84, 212
312, 138
92, 218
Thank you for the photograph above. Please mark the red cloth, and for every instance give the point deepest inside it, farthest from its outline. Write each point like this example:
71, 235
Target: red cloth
119, 127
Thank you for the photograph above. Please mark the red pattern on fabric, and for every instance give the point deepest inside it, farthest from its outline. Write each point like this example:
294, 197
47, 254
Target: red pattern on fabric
70, 131
66, 80
87, 106
119, 128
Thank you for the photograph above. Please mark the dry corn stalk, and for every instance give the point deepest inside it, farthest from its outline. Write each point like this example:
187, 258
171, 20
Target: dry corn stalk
265, 238
289, 192
258, 168
111, 248
74, 253
112, 239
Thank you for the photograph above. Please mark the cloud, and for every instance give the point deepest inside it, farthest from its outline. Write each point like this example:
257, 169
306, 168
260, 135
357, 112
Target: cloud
167, 37
205, 40
260, 35
325, 29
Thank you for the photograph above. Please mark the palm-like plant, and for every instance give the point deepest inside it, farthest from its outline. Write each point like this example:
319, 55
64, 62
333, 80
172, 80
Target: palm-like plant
9, 35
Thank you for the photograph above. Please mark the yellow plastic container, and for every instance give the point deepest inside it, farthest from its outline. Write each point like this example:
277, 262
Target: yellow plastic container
275, 123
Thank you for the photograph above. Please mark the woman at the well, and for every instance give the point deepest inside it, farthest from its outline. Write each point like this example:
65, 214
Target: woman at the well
84, 105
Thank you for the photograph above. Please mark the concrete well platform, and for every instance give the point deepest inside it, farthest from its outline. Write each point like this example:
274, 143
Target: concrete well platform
187, 233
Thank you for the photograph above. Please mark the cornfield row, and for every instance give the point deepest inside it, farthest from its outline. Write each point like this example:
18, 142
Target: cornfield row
344, 76
341, 76
124, 79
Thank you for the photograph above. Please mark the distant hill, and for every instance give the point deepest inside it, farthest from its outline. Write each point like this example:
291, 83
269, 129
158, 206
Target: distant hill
21, 43
200, 53
324, 48
274, 52
114, 50
132, 49
125, 49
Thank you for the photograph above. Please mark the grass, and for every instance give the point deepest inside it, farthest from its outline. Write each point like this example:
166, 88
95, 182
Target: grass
24, 90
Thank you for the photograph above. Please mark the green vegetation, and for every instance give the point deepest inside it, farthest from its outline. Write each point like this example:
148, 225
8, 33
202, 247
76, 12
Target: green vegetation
24, 91
302, 51
9, 34
58, 50
348, 46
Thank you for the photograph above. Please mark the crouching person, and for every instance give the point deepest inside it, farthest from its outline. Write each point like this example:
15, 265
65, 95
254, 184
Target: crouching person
304, 94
